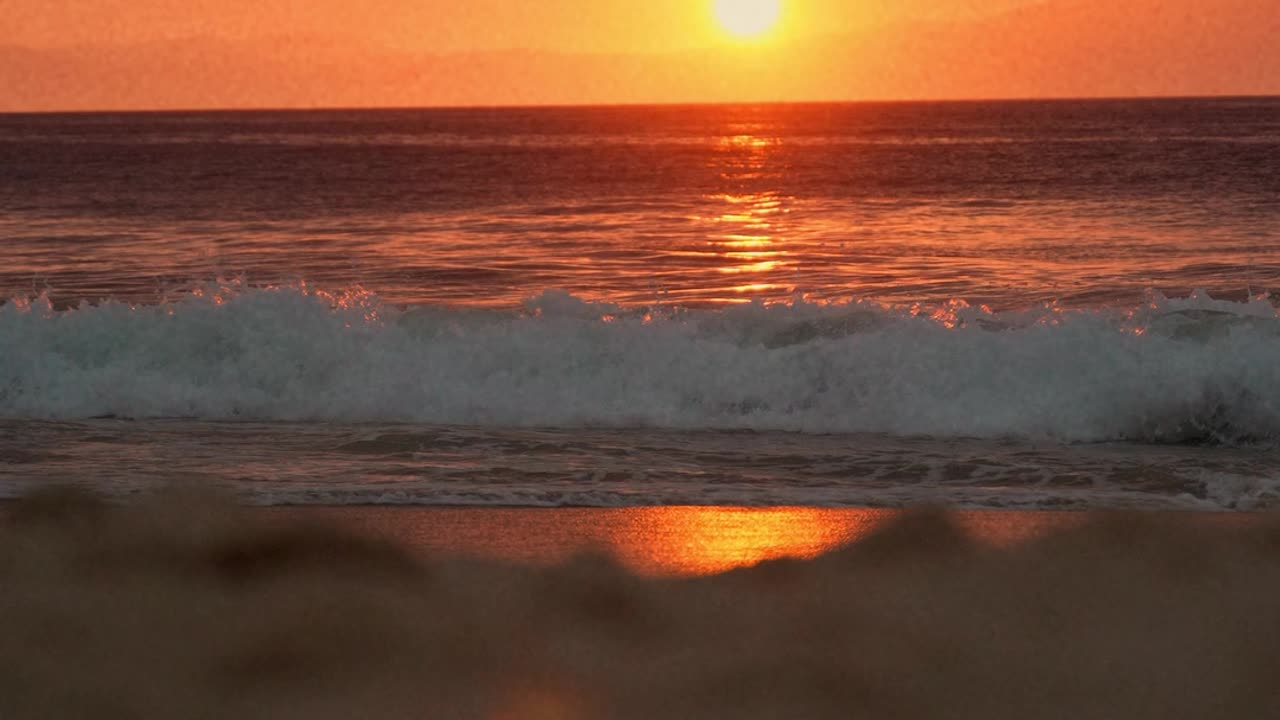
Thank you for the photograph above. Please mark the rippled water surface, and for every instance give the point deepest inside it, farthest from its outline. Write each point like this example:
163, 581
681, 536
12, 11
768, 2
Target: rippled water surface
1007, 204
421, 465
1031, 305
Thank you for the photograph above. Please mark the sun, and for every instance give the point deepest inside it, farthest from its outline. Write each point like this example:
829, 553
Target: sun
748, 18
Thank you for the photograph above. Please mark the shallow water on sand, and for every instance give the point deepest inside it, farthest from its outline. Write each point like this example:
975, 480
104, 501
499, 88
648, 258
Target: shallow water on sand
328, 464
664, 540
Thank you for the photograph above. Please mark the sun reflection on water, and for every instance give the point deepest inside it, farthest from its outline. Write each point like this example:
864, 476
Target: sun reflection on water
748, 243
747, 236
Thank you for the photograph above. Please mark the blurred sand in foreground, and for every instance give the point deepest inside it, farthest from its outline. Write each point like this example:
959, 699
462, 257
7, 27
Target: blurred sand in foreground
186, 607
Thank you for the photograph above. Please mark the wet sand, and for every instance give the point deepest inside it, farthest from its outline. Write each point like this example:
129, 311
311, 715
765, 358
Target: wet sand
187, 607
656, 541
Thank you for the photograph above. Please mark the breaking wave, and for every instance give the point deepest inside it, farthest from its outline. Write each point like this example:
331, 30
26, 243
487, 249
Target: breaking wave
1171, 370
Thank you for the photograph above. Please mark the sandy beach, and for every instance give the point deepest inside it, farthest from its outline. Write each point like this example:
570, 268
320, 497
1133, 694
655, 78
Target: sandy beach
190, 607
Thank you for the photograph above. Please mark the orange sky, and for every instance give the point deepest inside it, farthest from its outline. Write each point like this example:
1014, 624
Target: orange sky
134, 54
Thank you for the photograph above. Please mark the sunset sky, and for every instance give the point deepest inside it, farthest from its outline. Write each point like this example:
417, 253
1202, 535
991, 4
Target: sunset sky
143, 54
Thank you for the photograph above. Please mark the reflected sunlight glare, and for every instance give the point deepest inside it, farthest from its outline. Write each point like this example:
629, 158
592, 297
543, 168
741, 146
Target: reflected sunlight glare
703, 540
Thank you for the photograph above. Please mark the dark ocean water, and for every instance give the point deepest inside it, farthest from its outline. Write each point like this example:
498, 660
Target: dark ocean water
1032, 304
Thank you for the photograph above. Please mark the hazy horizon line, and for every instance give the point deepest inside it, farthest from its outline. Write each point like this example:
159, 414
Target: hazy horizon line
640, 105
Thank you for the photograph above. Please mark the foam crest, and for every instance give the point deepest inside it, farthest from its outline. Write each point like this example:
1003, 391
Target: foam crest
1192, 369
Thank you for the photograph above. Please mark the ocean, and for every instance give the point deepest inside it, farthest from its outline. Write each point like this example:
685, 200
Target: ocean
1031, 305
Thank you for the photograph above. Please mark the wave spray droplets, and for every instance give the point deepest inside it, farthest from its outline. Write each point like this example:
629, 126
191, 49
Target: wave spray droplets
1193, 369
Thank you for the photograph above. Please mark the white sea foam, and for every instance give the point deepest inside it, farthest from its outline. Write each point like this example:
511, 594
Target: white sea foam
1170, 370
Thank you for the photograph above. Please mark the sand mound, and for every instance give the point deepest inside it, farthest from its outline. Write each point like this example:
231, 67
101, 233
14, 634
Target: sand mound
186, 608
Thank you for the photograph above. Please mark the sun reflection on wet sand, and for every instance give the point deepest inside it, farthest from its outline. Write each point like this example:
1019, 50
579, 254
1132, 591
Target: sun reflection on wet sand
709, 540
700, 541
653, 540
